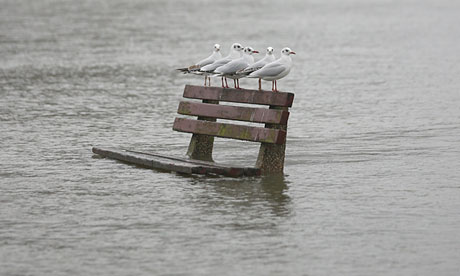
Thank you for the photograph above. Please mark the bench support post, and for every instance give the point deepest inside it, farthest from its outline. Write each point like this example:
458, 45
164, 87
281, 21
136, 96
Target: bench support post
200, 147
271, 156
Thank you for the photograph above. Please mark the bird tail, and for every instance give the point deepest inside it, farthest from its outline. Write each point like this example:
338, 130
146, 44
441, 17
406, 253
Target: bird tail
183, 70
190, 69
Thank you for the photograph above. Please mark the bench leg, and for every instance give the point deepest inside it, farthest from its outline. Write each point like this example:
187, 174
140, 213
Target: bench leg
200, 147
271, 156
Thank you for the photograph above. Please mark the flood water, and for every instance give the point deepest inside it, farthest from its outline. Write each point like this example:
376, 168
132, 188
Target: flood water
372, 173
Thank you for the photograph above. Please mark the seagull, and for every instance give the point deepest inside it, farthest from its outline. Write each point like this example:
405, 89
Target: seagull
196, 67
229, 70
269, 57
275, 70
235, 52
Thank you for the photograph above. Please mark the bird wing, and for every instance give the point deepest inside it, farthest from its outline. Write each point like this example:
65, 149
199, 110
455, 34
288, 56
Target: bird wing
205, 61
259, 64
270, 70
254, 67
211, 67
251, 68
232, 67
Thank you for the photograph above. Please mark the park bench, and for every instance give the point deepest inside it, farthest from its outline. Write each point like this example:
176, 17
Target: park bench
271, 134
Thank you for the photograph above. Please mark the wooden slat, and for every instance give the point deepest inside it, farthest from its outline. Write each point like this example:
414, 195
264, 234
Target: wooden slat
181, 165
239, 95
248, 114
248, 133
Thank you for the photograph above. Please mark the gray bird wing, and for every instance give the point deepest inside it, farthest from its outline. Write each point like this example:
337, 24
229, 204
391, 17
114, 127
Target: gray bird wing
211, 67
205, 61
232, 67
270, 70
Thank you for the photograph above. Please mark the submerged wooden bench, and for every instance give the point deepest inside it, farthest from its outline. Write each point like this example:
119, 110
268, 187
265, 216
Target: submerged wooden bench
272, 135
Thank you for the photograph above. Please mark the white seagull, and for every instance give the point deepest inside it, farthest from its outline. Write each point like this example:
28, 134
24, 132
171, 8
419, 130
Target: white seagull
275, 70
235, 52
229, 70
196, 67
269, 57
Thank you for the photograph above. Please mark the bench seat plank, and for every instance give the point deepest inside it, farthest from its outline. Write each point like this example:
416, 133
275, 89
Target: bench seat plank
248, 114
283, 99
181, 165
240, 132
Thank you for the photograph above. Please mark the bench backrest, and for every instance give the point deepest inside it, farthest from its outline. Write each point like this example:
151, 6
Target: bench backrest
209, 110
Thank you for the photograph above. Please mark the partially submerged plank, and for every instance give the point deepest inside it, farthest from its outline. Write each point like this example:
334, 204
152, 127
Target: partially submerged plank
181, 165
248, 114
239, 95
240, 132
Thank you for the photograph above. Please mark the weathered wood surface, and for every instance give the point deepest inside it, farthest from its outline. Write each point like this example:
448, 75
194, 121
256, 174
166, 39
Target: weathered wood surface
272, 137
240, 132
270, 159
239, 95
181, 165
248, 114
201, 146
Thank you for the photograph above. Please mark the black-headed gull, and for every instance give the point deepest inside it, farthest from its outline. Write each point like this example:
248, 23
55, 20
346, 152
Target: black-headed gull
269, 57
229, 70
275, 70
211, 59
235, 52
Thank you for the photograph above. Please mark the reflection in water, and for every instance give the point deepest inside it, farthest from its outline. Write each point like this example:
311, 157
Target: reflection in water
248, 203
274, 188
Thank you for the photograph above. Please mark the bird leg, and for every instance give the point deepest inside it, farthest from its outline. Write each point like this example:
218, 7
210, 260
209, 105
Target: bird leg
226, 84
238, 83
209, 81
260, 84
205, 78
223, 86
273, 85
234, 83
276, 87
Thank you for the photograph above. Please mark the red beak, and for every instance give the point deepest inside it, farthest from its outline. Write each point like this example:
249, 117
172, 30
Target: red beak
292, 53
255, 52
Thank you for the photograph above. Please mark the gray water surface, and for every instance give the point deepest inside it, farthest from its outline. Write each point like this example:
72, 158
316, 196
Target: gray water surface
372, 176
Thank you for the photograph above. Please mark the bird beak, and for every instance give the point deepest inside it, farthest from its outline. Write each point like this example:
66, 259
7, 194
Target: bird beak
292, 53
255, 52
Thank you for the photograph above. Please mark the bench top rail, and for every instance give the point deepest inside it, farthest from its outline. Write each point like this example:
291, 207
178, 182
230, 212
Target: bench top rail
283, 99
